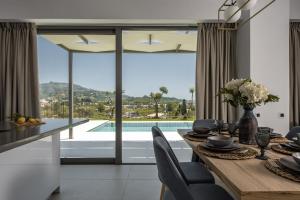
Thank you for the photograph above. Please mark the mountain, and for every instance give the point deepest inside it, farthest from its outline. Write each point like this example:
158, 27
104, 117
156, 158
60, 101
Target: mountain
60, 90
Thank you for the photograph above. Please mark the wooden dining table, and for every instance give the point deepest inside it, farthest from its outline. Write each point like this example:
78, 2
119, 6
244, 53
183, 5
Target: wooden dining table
249, 179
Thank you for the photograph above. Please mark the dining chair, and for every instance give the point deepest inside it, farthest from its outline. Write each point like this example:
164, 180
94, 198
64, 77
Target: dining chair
292, 133
176, 187
192, 172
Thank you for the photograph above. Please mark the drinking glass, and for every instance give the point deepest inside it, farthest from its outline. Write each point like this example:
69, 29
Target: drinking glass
262, 139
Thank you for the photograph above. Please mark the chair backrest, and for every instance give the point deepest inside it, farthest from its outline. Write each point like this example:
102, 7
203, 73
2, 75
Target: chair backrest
292, 133
156, 132
212, 124
168, 172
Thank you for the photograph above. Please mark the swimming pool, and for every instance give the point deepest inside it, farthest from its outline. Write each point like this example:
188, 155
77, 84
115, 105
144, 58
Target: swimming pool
143, 126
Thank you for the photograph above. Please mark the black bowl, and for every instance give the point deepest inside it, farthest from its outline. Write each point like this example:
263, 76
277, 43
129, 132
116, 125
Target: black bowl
220, 141
201, 130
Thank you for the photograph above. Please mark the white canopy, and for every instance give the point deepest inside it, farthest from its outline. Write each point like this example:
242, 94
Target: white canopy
133, 41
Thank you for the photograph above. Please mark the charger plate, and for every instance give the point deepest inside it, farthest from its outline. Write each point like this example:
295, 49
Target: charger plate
243, 153
274, 166
280, 149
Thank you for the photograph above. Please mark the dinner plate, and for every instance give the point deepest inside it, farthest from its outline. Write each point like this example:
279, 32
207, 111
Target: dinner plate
231, 147
197, 135
224, 147
290, 163
288, 145
275, 135
294, 145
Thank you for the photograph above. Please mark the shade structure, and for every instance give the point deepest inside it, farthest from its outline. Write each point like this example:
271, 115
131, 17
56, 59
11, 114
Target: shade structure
133, 41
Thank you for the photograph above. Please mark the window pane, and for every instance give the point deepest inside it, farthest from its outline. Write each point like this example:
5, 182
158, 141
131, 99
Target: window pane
158, 83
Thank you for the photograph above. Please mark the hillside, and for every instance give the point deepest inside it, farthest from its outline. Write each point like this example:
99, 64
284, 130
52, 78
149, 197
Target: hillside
60, 90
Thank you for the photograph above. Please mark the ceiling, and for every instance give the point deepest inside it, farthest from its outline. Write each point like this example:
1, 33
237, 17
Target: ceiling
133, 41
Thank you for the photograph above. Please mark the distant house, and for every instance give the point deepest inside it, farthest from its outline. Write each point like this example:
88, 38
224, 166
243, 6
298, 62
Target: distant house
44, 103
153, 115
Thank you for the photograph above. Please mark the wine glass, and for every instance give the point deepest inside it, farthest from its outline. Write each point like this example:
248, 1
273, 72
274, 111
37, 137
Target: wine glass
219, 124
232, 127
262, 139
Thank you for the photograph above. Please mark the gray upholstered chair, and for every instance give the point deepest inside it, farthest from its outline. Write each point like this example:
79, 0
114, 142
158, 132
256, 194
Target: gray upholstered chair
192, 172
292, 133
177, 189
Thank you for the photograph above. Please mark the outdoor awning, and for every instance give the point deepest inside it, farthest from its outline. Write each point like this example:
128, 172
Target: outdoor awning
133, 41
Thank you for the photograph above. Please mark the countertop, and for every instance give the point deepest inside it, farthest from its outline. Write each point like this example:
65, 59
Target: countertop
12, 136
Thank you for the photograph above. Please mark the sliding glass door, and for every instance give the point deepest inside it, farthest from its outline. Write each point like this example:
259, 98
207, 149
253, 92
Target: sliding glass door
158, 90
124, 82
77, 75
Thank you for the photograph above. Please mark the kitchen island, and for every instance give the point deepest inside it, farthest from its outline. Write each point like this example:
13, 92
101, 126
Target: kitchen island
30, 159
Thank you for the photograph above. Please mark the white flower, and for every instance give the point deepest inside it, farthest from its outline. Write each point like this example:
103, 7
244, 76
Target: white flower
228, 96
234, 84
255, 93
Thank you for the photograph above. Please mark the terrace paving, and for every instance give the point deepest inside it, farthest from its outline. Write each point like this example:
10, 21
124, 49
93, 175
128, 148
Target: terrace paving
137, 146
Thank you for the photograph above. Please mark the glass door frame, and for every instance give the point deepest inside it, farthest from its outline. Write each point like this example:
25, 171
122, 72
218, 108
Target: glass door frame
71, 30
105, 30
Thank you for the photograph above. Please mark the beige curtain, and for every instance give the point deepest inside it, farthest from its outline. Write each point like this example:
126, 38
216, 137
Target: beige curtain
19, 89
295, 74
215, 66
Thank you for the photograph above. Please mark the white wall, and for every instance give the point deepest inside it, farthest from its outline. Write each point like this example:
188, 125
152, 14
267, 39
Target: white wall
110, 9
295, 9
269, 60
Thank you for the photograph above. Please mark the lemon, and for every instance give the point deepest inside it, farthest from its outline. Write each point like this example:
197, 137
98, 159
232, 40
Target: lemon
32, 120
21, 120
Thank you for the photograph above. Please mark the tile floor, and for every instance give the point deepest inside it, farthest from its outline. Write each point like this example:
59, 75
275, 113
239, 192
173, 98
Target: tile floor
108, 182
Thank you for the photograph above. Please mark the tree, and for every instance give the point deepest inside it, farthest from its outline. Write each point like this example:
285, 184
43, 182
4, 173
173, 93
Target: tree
100, 107
171, 106
183, 109
156, 97
192, 91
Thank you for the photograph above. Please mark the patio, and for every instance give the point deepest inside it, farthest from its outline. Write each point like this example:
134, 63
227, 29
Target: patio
137, 146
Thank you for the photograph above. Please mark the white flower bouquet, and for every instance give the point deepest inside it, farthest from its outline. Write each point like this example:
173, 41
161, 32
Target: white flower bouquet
246, 93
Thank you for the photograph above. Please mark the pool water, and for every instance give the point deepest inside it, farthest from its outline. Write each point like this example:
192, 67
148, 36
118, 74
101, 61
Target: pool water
143, 126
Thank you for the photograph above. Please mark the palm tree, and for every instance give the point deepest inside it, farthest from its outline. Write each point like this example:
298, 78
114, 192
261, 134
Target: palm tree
192, 91
157, 97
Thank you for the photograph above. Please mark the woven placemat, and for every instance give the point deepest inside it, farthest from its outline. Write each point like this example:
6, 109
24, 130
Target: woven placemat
281, 149
279, 140
195, 139
240, 154
274, 166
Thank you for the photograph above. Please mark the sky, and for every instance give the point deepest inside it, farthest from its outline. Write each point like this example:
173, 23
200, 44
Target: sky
142, 73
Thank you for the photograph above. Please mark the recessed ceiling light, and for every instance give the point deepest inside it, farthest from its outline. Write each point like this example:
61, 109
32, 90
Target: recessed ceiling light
147, 42
90, 42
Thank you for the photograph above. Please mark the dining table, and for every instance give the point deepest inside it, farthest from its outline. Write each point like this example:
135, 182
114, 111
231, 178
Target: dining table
248, 179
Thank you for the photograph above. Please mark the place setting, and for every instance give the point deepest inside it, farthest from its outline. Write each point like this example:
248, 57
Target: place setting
289, 147
224, 147
199, 134
288, 166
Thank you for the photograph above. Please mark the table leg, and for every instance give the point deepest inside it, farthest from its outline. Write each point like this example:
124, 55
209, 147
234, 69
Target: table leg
195, 157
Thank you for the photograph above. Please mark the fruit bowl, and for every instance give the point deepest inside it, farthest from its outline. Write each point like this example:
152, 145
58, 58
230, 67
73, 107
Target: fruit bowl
21, 120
